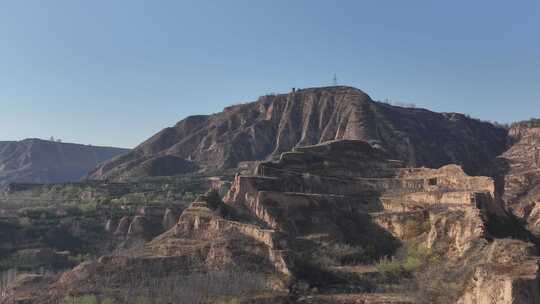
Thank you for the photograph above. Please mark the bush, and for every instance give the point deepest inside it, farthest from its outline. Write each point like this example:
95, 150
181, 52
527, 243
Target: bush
391, 270
424, 275
414, 257
69, 191
413, 228
408, 260
88, 208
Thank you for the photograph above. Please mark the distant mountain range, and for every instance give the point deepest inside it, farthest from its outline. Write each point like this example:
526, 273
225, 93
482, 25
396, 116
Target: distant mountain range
42, 161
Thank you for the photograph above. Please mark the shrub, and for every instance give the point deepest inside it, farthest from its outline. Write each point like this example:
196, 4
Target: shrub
424, 274
414, 257
189, 196
88, 208
414, 228
408, 260
87, 299
70, 191
391, 270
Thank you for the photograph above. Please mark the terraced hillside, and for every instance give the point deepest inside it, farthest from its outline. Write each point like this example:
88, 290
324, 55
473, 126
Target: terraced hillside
330, 223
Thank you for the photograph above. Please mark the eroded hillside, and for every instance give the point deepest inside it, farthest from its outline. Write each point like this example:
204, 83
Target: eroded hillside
518, 174
330, 223
329, 203
274, 124
53, 227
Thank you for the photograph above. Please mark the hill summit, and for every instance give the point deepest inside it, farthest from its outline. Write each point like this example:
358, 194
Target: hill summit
273, 124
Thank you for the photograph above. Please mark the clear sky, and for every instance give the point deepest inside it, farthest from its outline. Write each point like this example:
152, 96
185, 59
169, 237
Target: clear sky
109, 72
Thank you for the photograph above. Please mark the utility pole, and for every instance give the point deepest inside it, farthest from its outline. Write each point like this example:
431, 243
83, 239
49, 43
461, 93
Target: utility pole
335, 80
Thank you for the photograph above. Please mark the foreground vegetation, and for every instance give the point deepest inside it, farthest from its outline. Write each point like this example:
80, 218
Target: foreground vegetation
225, 286
38, 220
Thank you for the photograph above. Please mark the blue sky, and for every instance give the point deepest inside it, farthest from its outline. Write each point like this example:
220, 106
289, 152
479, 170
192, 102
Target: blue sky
115, 72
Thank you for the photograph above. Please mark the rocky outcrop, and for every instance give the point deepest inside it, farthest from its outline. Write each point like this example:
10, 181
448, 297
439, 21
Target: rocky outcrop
205, 238
138, 227
41, 161
110, 226
277, 123
518, 174
222, 241
508, 274
169, 219
123, 226
443, 210
148, 222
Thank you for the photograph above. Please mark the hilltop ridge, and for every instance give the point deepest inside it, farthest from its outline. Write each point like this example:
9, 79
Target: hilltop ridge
262, 129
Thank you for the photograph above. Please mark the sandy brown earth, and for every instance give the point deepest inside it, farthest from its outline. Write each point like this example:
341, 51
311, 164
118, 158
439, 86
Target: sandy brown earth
274, 124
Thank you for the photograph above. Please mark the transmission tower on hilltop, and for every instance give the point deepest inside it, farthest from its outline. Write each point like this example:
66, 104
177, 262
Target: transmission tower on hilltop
334, 80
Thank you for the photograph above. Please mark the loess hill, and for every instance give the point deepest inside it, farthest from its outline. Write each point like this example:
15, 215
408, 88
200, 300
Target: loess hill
42, 161
318, 226
274, 124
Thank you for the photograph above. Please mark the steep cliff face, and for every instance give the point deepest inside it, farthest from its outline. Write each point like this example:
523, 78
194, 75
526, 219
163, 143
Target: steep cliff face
41, 161
518, 174
508, 273
277, 123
